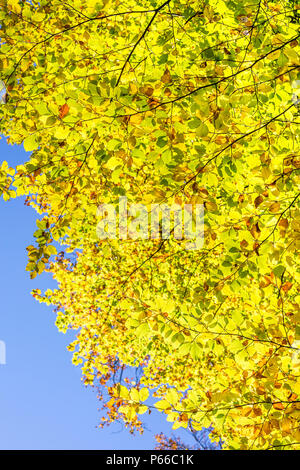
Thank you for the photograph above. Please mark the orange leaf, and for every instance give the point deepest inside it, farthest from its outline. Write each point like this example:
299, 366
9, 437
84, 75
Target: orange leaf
278, 406
64, 110
287, 286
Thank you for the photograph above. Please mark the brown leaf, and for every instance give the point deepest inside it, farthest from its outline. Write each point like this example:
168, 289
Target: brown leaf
255, 231
256, 247
258, 200
284, 223
166, 78
257, 412
147, 90
153, 103
244, 244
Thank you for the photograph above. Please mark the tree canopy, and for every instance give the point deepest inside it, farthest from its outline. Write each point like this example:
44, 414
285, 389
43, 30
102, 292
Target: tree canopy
166, 102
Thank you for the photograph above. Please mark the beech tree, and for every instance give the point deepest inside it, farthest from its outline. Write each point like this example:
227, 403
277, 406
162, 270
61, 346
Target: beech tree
166, 102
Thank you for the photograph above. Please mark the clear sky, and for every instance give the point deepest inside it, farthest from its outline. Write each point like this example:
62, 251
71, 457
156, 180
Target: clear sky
43, 403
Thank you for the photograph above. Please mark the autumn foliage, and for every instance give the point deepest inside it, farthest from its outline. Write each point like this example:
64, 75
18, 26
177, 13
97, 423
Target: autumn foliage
187, 102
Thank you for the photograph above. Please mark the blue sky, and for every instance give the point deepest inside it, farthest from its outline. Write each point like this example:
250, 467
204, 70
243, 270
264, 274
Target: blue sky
43, 403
